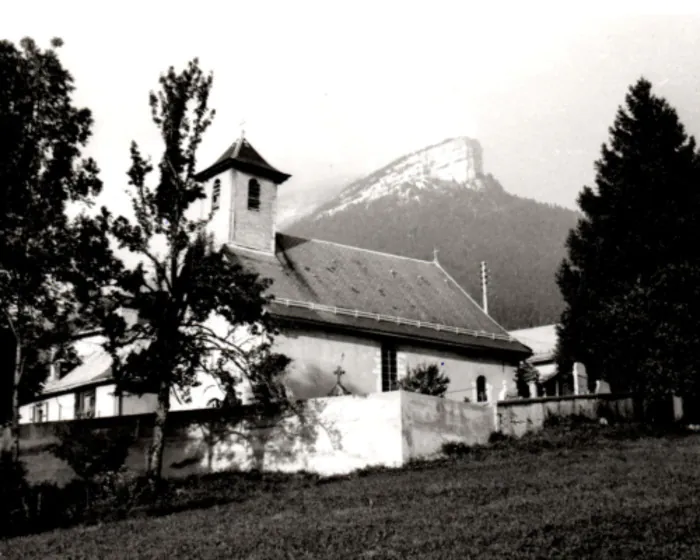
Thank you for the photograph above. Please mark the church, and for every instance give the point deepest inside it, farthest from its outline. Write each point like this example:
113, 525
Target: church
373, 314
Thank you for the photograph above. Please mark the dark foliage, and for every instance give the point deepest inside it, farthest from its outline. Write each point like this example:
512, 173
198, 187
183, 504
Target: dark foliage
426, 379
91, 453
631, 279
13, 492
178, 292
521, 240
525, 374
51, 266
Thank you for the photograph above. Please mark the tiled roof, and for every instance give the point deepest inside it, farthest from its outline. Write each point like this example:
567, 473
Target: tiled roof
242, 156
95, 368
346, 286
542, 340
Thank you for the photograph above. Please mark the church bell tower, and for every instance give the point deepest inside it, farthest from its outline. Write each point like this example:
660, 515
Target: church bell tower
244, 203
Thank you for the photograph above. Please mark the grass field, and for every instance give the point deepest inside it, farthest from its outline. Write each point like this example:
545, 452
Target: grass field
584, 493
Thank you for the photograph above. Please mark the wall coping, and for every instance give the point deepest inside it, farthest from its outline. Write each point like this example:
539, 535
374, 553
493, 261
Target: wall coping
596, 396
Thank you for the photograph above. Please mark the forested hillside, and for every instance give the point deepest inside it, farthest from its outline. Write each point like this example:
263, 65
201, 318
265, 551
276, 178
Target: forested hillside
521, 240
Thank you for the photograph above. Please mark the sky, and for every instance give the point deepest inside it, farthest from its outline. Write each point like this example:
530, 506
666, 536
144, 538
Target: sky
331, 91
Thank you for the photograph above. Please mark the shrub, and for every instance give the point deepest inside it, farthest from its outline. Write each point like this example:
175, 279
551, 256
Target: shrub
426, 379
524, 375
92, 453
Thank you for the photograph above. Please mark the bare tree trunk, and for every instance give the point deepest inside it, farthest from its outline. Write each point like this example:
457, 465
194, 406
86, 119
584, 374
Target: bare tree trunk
155, 459
10, 430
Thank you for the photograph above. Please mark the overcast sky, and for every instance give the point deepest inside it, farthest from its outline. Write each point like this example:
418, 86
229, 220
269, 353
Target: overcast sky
333, 90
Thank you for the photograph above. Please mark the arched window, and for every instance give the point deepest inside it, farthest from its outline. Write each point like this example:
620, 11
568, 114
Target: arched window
253, 195
481, 395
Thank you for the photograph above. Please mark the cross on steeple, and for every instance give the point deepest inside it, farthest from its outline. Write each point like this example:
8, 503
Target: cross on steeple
242, 125
435, 254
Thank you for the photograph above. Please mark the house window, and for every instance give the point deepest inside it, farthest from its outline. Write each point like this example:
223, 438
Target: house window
389, 374
481, 395
40, 413
216, 197
253, 195
85, 404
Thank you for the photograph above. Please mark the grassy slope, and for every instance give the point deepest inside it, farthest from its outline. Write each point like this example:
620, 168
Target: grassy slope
601, 498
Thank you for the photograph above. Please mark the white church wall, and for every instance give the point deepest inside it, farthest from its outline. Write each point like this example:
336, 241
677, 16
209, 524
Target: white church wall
463, 372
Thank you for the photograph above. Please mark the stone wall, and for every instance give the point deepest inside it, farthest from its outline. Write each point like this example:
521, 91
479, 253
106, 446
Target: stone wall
328, 436
517, 417
429, 422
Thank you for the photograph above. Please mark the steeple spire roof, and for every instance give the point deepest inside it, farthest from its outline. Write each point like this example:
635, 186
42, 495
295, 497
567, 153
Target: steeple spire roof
243, 157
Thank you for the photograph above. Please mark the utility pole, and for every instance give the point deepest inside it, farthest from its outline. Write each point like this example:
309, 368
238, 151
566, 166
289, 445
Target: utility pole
484, 287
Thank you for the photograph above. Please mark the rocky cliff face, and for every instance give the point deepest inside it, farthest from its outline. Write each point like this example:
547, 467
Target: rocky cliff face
456, 162
439, 198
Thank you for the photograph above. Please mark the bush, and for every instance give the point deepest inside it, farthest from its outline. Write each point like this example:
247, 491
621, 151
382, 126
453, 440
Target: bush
427, 380
524, 375
92, 453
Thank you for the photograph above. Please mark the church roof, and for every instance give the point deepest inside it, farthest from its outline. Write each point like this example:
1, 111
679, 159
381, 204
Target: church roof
243, 157
351, 288
542, 340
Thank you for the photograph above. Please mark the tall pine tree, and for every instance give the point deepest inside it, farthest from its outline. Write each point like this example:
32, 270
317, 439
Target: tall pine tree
631, 277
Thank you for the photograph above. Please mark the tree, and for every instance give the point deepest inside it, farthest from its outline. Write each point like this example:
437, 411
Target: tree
525, 374
51, 267
426, 379
178, 294
630, 279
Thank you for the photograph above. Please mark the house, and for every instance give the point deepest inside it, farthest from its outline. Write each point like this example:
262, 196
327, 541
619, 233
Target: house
543, 342
373, 314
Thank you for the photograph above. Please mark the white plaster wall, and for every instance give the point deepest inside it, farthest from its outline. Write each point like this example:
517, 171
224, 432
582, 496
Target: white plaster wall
138, 404
61, 407
315, 356
347, 433
429, 422
220, 225
463, 372
254, 229
106, 403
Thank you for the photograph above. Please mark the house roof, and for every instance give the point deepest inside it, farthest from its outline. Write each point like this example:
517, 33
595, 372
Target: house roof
343, 286
542, 340
96, 367
243, 157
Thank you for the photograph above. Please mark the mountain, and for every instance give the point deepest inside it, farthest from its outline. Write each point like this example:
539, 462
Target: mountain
440, 198
295, 204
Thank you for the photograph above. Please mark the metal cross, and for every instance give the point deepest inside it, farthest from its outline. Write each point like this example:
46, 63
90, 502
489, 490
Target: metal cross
242, 124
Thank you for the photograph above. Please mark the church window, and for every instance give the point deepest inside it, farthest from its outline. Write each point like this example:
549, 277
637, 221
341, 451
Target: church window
481, 395
389, 371
216, 197
253, 195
